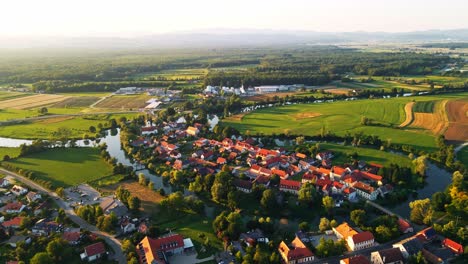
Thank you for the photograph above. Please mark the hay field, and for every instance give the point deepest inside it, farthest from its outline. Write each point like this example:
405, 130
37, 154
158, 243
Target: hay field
77, 101
124, 101
409, 114
436, 121
457, 111
32, 101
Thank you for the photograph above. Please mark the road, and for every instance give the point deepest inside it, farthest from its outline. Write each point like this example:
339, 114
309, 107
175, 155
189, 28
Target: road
110, 240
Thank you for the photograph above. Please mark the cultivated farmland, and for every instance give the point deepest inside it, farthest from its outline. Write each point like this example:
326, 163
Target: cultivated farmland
32, 101
124, 101
457, 111
77, 101
431, 116
424, 107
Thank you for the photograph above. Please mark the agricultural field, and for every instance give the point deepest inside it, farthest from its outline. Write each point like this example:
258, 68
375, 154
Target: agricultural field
149, 198
12, 152
457, 111
430, 116
124, 101
341, 117
12, 95
174, 75
424, 107
65, 166
32, 101
44, 128
76, 101
365, 154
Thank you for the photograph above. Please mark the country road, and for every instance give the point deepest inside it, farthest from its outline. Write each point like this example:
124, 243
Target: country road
110, 240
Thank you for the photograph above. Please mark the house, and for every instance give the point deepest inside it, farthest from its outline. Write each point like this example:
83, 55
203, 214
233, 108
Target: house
360, 240
127, 226
143, 228
309, 177
4, 183
33, 196
409, 246
296, 253
149, 130
431, 258
243, 185
251, 238
404, 226
192, 131
14, 208
109, 205
290, 186
14, 240
358, 259
281, 173
371, 177
344, 231
324, 155
221, 161
453, 246
13, 223
155, 251
73, 238
18, 190
46, 228
349, 193
387, 256
427, 234
365, 191
93, 252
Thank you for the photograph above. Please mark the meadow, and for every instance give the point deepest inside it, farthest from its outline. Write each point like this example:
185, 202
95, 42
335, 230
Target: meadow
12, 152
125, 101
65, 166
341, 117
43, 129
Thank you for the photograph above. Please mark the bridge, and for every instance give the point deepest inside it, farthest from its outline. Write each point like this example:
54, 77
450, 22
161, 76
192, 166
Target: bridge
385, 210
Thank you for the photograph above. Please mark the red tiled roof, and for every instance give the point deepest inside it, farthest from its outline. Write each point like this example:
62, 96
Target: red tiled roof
13, 206
166, 243
403, 225
71, 236
358, 259
146, 129
452, 245
289, 184
364, 187
95, 249
363, 236
338, 170
280, 173
221, 160
13, 222
371, 176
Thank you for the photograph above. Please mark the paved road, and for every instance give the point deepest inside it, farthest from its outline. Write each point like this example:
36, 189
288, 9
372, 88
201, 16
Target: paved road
110, 240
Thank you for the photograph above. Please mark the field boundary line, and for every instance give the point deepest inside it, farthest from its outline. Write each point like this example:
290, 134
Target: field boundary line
409, 115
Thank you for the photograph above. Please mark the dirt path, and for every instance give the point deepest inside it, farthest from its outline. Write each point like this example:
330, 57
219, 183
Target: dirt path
409, 115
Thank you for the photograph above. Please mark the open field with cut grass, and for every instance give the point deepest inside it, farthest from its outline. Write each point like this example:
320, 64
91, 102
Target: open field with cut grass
365, 154
124, 101
77, 101
341, 117
43, 129
65, 166
32, 101
12, 152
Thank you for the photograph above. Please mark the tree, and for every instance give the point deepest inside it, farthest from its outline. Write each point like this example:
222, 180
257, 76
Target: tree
233, 199
421, 212
333, 223
324, 224
420, 165
358, 217
127, 246
306, 194
151, 185
59, 191
141, 179
43, 110
92, 129
268, 200
134, 203
55, 249
41, 258
328, 203
304, 226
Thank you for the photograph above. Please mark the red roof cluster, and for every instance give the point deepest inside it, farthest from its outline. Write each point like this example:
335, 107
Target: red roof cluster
95, 249
363, 236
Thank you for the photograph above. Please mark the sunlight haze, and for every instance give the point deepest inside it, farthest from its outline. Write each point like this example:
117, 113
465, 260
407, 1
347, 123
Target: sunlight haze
142, 17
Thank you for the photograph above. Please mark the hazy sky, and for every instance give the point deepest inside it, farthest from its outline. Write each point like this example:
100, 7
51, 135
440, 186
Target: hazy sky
136, 17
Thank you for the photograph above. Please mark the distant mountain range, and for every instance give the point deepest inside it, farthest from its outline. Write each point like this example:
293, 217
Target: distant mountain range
234, 38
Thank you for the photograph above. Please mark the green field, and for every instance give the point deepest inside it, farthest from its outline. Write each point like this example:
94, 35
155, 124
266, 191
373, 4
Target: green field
12, 152
341, 117
43, 129
365, 154
12, 95
65, 166
424, 107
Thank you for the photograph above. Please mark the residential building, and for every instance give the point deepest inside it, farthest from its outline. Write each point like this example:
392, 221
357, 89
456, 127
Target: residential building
243, 185
404, 226
296, 253
360, 240
14, 207
290, 186
33, 196
46, 228
453, 246
4, 183
19, 190
344, 231
93, 252
73, 238
387, 256
409, 246
154, 251
109, 205
192, 131
251, 238
14, 223
365, 191
358, 259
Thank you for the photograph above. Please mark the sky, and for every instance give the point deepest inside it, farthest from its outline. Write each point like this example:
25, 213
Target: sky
144, 17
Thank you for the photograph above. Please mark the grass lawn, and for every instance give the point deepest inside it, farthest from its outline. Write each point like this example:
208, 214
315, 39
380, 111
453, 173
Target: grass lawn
12, 152
365, 154
341, 117
193, 226
66, 166
43, 129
